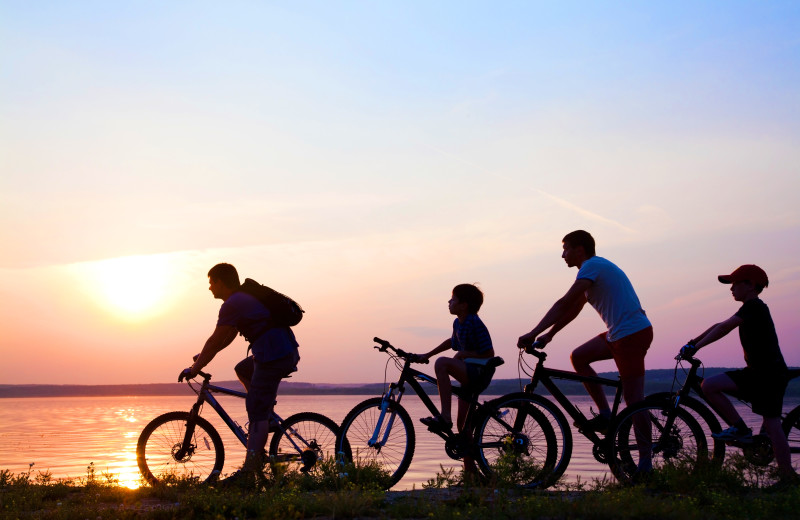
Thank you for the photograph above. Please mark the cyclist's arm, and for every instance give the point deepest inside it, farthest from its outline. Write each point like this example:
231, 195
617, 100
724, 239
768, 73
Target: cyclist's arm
718, 331
446, 345
570, 314
562, 312
222, 336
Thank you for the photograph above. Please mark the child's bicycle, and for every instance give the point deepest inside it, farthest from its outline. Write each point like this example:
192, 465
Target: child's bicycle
185, 445
380, 430
673, 437
758, 449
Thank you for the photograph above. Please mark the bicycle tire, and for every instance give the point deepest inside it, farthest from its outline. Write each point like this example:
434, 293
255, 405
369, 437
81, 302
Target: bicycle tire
561, 427
303, 440
516, 427
162, 438
791, 427
358, 427
684, 445
698, 409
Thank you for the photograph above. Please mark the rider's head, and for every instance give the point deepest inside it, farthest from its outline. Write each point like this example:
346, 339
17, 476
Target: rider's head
470, 295
225, 274
580, 238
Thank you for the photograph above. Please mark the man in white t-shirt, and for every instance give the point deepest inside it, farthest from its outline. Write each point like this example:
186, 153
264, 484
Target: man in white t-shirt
629, 333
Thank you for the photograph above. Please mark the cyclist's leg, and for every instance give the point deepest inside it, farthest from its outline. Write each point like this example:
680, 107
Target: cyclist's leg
780, 445
714, 388
768, 403
629, 353
446, 367
244, 371
470, 467
261, 400
596, 349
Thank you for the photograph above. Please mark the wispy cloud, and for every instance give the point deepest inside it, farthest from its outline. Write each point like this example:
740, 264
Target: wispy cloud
585, 213
558, 200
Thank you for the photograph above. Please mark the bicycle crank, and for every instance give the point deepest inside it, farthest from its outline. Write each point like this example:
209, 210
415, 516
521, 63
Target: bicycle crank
759, 450
600, 453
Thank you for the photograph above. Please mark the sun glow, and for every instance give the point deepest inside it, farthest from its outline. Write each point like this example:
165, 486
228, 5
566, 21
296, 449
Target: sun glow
132, 287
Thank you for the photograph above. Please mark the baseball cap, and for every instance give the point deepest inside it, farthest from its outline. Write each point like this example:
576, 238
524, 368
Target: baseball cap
748, 272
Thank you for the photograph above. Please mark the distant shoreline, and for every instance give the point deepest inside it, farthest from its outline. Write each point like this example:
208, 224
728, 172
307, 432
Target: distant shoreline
659, 380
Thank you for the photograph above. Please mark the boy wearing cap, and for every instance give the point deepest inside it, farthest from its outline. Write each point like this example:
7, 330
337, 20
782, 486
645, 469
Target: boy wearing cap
763, 382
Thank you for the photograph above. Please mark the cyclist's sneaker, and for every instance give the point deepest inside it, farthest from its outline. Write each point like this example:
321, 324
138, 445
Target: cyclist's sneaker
437, 422
734, 434
243, 479
599, 423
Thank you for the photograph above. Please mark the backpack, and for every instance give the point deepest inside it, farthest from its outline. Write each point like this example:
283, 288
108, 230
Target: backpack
285, 312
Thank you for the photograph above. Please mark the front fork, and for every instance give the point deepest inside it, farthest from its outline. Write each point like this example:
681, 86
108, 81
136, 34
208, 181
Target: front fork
392, 396
186, 449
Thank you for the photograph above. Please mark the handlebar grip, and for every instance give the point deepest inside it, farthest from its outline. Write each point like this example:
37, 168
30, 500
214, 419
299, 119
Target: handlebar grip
415, 358
381, 342
535, 348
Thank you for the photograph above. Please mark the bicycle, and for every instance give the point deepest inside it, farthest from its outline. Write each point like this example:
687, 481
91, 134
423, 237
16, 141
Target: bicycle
683, 434
184, 444
758, 449
380, 429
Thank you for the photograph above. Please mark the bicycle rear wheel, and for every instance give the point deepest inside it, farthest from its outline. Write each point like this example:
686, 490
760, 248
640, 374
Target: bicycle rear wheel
672, 437
161, 454
515, 441
393, 433
304, 440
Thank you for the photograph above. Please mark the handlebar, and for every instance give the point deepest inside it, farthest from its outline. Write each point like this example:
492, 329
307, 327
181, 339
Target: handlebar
204, 375
536, 349
408, 356
688, 356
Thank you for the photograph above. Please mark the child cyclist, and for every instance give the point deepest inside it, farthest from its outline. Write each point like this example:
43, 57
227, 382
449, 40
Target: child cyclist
764, 380
472, 344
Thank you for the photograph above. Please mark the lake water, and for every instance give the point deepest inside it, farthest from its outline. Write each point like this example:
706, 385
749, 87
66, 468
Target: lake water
64, 435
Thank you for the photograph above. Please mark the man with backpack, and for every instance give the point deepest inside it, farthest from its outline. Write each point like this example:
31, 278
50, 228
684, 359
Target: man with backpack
275, 352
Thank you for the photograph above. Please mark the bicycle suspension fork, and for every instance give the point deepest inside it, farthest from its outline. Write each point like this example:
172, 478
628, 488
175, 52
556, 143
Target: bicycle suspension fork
388, 397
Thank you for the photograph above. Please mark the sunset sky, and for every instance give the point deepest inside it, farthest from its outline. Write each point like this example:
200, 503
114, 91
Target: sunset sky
365, 157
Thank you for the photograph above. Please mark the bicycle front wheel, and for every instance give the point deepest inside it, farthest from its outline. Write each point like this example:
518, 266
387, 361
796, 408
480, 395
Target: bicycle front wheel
304, 440
791, 427
162, 455
704, 417
515, 441
368, 435
670, 437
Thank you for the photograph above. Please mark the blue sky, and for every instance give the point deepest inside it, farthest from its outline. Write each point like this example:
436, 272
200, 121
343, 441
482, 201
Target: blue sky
365, 157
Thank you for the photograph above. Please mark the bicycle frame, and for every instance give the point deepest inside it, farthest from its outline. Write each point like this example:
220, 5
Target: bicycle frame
205, 395
545, 376
396, 391
412, 378
693, 383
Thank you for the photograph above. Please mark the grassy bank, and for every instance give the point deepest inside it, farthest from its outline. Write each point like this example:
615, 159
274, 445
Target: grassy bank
711, 494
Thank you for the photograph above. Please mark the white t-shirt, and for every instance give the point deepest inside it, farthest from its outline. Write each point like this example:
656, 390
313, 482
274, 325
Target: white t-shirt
612, 296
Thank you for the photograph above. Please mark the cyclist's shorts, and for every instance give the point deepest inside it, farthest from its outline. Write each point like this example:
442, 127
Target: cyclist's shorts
764, 389
629, 352
478, 377
264, 386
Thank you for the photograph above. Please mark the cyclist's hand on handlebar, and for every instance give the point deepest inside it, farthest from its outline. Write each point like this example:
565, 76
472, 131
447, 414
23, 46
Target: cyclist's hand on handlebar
687, 351
526, 340
186, 373
530, 341
419, 358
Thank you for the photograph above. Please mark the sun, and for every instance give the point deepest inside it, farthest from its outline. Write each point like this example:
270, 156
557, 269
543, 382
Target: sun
132, 287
